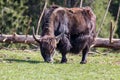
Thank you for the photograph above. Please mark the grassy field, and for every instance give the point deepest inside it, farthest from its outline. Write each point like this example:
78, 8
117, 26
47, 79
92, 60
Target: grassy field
29, 65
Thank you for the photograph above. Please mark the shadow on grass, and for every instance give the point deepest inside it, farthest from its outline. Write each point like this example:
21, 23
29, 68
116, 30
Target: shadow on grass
30, 61
21, 61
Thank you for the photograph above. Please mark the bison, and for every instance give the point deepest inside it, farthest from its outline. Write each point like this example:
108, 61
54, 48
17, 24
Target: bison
69, 30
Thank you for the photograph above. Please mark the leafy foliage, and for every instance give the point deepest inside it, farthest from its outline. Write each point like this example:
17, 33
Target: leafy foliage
12, 16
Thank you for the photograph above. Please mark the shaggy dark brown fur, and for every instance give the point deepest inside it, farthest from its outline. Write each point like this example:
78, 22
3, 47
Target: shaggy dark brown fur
74, 28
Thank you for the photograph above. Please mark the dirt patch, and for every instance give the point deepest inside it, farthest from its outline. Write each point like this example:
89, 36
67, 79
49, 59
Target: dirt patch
118, 62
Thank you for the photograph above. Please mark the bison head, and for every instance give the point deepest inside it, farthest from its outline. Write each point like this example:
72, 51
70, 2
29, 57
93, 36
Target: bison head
48, 45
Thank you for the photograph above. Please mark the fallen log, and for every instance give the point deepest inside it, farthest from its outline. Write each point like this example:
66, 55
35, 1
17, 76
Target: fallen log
105, 43
17, 39
99, 42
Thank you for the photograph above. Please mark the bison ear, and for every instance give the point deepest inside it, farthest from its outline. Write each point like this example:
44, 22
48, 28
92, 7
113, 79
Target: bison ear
59, 37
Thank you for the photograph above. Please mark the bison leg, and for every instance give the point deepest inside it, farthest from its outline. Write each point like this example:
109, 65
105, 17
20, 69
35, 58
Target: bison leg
64, 46
64, 59
84, 55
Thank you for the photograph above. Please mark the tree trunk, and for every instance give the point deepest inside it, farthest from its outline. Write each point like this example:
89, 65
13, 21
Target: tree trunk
99, 42
81, 2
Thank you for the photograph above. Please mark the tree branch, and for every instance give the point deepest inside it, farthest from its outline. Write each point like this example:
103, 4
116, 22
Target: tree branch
100, 27
40, 18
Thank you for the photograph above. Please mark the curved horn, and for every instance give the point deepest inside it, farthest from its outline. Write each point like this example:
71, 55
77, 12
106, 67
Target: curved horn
38, 40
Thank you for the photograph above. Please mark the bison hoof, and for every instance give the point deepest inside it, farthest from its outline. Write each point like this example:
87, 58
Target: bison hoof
83, 62
63, 61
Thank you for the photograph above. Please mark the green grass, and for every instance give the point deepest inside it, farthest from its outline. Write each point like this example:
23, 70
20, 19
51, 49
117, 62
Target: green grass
29, 65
